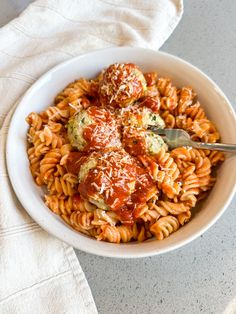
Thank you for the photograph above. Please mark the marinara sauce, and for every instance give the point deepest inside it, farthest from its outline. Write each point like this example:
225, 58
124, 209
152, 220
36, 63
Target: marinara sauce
103, 132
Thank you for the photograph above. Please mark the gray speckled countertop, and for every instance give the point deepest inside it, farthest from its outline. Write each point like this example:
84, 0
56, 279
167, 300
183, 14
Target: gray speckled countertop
200, 277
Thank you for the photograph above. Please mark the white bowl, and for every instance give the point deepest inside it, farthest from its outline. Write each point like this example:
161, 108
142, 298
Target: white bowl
41, 95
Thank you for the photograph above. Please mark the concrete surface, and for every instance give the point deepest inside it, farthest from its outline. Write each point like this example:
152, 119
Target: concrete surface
200, 277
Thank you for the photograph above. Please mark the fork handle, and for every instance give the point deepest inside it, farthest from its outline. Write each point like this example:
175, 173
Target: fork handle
230, 148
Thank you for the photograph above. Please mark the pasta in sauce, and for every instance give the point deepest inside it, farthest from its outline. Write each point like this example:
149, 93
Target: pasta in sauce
106, 175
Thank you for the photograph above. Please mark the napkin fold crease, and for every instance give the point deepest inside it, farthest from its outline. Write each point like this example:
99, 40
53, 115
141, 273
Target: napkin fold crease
39, 273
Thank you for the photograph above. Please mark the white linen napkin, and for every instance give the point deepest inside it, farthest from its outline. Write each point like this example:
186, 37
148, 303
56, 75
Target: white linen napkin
39, 273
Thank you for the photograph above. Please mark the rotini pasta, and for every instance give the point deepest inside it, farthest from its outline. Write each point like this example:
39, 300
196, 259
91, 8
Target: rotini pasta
164, 226
108, 177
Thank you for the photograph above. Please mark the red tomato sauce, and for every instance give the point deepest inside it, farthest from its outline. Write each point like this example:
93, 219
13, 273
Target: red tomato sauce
151, 103
130, 212
151, 78
103, 132
74, 162
134, 141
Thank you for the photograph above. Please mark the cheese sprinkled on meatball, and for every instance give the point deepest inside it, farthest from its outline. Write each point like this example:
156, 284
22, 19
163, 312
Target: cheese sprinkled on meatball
121, 85
138, 116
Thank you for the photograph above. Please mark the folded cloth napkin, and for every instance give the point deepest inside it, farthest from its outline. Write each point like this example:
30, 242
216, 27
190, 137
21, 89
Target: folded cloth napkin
39, 273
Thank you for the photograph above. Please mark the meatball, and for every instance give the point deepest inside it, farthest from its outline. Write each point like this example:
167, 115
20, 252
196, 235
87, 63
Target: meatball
138, 141
108, 179
139, 116
93, 129
121, 85
113, 180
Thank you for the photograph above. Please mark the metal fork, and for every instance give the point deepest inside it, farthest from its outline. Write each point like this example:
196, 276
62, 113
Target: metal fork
177, 137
